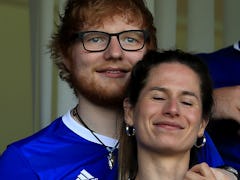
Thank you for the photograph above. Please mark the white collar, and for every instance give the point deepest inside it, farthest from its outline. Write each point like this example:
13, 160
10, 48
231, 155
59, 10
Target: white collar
237, 46
85, 133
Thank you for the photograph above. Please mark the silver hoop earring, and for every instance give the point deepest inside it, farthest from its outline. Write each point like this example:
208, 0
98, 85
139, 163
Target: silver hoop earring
130, 130
200, 142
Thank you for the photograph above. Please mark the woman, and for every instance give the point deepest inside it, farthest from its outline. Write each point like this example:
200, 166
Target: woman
168, 105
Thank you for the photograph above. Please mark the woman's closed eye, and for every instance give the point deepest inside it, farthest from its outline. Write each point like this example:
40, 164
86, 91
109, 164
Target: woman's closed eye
187, 103
159, 98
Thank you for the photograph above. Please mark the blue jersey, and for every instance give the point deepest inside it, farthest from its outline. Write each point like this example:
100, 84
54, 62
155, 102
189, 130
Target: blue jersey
63, 150
67, 150
224, 67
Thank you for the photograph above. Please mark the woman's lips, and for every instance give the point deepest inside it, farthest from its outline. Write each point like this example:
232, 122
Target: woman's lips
168, 125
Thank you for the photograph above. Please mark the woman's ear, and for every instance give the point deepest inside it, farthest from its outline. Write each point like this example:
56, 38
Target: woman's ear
128, 112
203, 126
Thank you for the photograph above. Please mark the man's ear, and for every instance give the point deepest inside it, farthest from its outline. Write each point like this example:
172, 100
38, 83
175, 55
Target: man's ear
203, 126
128, 112
67, 63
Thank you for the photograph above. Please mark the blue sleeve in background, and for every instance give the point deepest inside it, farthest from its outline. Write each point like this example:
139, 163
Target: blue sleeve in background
224, 68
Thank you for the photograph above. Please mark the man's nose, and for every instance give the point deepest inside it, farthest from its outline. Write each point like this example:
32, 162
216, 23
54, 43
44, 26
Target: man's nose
114, 50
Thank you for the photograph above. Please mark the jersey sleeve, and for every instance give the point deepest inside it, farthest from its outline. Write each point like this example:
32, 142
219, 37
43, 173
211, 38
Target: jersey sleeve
14, 166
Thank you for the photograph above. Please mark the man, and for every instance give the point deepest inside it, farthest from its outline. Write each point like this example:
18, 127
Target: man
95, 48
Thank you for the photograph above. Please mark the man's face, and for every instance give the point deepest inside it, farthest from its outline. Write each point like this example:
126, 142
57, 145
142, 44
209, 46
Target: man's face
101, 77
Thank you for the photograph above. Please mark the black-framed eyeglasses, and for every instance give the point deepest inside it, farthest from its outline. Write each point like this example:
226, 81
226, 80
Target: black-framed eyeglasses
97, 41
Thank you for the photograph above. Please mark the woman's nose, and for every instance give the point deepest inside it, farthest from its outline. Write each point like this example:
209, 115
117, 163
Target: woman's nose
171, 108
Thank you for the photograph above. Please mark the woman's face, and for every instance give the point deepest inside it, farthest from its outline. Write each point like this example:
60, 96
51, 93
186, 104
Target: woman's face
168, 114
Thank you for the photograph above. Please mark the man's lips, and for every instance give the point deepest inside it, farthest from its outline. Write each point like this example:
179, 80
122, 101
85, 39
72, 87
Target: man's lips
113, 72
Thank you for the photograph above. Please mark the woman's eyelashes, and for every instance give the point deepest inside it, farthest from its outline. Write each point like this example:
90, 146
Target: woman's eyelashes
159, 97
187, 103
183, 101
